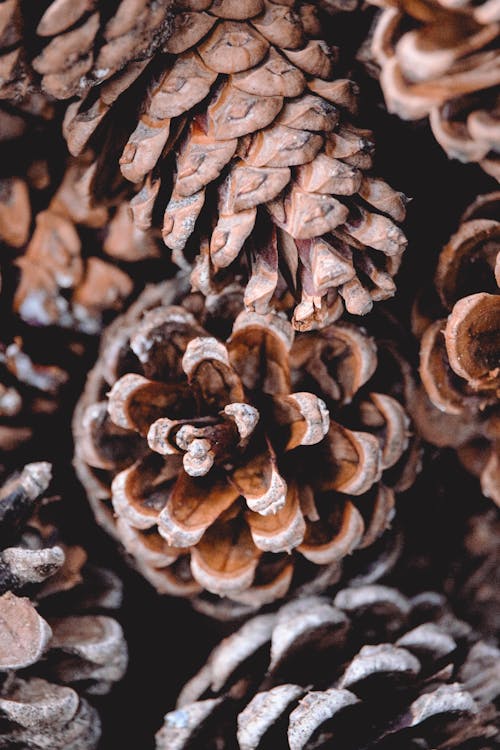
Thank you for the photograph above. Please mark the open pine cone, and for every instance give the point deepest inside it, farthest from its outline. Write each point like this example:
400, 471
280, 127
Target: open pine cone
269, 169
211, 433
372, 669
52, 644
460, 351
441, 60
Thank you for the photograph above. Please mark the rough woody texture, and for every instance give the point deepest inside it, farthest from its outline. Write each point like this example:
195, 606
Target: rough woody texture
207, 439
460, 350
246, 143
50, 625
370, 669
441, 60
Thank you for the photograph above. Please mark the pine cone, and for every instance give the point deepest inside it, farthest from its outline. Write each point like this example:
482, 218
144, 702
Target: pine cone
47, 628
460, 370
220, 452
374, 669
441, 60
83, 44
247, 104
64, 280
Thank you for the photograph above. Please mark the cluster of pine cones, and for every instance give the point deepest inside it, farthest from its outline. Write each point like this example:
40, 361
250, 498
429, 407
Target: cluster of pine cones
249, 374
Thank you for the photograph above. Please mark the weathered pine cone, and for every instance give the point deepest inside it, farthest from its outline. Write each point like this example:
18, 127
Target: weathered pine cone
373, 669
460, 351
53, 646
441, 60
67, 274
211, 434
246, 106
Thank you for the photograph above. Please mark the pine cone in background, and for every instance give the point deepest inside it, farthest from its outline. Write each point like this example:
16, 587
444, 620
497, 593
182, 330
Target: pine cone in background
76, 46
67, 274
460, 351
59, 267
219, 450
246, 110
441, 60
372, 669
52, 646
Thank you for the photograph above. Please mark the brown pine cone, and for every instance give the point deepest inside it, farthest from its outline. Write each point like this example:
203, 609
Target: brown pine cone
208, 443
65, 278
441, 60
82, 44
48, 625
460, 351
247, 112
373, 669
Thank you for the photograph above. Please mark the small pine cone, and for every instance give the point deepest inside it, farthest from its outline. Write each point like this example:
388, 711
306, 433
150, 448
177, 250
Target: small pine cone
441, 60
370, 669
460, 351
208, 443
50, 625
247, 111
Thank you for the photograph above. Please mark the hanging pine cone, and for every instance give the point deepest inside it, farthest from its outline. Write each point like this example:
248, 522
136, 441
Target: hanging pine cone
247, 113
218, 448
47, 628
460, 351
441, 60
372, 669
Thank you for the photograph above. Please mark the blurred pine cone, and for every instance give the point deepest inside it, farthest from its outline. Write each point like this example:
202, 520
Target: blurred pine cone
460, 351
66, 277
372, 670
52, 645
441, 60
219, 450
258, 128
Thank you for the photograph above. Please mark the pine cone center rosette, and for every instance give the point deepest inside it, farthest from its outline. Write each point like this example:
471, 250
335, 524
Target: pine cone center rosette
270, 170
210, 432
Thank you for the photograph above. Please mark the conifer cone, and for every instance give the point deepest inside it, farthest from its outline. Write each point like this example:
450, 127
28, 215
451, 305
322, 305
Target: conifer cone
75, 46
441, 60
53, 644
247, 111
460, 350
233, 452
370, 669
68, 251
